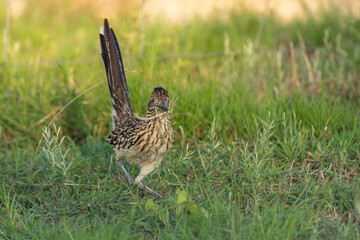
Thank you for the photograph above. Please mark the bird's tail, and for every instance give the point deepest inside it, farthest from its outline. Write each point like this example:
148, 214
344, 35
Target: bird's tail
114, 67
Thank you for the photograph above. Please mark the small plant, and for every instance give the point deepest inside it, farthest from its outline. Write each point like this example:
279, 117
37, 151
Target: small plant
54, 153
180, 206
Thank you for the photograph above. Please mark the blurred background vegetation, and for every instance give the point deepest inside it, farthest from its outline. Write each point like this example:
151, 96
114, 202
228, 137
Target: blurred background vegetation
217, 59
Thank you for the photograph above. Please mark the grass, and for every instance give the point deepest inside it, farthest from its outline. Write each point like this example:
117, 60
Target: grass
267, 137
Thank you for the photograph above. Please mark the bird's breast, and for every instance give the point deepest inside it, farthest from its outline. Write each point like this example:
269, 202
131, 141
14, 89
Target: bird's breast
143, 142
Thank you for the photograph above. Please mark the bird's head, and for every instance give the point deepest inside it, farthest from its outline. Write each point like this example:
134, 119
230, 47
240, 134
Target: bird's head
159, 101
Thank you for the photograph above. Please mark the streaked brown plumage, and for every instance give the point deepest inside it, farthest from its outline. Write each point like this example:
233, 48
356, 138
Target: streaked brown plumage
141, 141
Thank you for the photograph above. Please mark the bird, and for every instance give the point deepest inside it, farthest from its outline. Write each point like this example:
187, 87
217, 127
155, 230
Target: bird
141, 141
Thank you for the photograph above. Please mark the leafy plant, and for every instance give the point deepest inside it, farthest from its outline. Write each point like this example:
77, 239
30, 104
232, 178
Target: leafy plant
54, 154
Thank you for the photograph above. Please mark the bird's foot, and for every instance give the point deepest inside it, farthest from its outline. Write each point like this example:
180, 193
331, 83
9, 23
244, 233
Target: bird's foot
142, 186
129, 179
127, 175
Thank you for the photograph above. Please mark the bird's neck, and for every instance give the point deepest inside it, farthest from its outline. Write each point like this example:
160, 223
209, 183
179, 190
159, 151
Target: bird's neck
151, 112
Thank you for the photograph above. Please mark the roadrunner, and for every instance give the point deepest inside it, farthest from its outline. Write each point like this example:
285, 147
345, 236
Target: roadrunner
141, 141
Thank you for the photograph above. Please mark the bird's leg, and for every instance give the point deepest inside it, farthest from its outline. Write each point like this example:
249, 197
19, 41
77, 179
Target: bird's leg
142, 186
145, 170
127, 175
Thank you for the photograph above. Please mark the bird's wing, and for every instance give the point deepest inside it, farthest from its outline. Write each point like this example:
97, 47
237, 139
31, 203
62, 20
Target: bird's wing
115, 73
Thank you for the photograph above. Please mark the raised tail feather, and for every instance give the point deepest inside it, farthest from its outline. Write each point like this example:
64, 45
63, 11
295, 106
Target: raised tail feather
111, 55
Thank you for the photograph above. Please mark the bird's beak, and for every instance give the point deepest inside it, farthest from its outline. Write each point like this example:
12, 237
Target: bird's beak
164, 106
